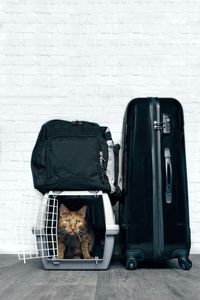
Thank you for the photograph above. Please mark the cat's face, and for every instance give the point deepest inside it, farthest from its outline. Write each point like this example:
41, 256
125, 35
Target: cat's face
72, 221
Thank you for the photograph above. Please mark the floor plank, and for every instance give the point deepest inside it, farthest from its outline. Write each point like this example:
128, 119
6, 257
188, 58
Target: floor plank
149, 281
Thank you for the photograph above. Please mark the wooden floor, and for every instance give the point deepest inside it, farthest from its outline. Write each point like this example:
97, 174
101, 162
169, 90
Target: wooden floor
30, 281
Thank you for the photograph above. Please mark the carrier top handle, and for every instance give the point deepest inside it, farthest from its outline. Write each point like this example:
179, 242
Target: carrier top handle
168, 176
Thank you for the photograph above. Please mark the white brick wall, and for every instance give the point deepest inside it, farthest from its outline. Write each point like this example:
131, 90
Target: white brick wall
84, 59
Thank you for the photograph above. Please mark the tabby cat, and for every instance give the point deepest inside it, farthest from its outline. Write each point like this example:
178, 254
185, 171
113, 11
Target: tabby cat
75, 237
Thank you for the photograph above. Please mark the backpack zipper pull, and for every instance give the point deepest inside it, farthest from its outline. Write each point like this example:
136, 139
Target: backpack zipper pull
76, 122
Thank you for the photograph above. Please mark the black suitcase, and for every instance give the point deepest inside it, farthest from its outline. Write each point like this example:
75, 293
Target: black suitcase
154, 216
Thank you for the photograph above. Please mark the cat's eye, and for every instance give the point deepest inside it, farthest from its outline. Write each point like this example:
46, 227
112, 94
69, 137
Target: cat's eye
78, 221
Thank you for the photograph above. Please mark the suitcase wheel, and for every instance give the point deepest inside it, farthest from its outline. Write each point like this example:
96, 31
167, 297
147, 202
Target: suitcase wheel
185, 263
131, 263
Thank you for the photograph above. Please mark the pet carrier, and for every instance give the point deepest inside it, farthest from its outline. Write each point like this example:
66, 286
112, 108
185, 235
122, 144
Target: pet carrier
37, 231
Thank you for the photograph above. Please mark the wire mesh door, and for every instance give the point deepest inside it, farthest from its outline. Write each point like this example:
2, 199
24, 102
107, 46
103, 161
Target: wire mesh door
36, 228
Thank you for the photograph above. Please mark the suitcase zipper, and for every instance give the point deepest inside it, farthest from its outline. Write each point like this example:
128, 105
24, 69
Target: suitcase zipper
157, 127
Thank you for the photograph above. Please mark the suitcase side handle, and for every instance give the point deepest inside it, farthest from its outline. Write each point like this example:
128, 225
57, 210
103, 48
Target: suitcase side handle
168, 176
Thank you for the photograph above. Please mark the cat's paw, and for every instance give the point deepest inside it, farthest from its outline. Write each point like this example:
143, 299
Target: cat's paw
88, 257
76, 257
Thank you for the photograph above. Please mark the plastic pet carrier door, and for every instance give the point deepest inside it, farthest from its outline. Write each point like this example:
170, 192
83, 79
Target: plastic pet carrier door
40, 237
36, 228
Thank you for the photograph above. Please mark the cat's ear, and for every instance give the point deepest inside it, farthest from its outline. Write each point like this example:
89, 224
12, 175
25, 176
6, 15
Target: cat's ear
82, 210
63, 209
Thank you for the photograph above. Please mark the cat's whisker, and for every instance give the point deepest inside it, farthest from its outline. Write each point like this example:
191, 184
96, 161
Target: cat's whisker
81, 232
79, 236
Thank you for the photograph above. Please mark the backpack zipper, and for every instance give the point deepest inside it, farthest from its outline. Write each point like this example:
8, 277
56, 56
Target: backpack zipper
158, 232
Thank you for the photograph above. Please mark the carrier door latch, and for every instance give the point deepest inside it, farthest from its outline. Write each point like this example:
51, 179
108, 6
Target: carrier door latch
164, 126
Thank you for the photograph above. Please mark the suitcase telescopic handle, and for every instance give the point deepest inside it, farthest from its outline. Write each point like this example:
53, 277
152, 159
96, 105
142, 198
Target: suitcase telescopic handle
168, 176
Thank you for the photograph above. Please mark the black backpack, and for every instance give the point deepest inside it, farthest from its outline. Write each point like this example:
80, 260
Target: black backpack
75, 155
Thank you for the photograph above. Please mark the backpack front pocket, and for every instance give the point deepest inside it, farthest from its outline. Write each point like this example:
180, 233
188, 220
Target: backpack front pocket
73, 158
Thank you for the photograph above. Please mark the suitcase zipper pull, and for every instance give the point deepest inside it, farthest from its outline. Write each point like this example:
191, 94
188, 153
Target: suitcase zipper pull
158, 125
163, 126
77, 122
